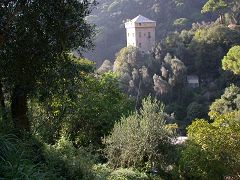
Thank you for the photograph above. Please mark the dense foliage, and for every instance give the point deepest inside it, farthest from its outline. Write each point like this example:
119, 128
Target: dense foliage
213, 148
141, 140
232, 60
37, 35
228, 102
63, 118
16, 162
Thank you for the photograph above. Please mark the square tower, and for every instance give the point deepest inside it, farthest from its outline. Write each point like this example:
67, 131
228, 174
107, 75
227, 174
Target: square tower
141, 33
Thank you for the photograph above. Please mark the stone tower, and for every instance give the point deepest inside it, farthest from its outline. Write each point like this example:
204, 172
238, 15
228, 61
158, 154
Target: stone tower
141, 33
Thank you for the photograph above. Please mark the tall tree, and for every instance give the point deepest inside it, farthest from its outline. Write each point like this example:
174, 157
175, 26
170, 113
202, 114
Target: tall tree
35, 37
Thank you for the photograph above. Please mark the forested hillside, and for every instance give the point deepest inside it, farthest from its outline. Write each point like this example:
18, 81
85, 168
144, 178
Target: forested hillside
192, 39
171, 112
110, 15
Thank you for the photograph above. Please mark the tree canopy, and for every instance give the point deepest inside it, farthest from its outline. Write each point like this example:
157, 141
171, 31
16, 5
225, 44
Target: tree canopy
214, 6
143, 139
37, 35
232, 60
213, 148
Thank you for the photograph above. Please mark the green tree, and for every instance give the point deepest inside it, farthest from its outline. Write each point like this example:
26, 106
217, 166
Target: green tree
209, 45
99, 105
96, 104
135, 70
141, 140
142, 74
181, 22
213, 148
37, 35
229, 101
232, 60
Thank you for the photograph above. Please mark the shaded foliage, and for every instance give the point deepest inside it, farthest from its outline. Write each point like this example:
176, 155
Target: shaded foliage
96, 104
37, 37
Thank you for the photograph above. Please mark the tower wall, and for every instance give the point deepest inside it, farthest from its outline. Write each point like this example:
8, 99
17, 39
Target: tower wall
141, 35
145, 38
131, 37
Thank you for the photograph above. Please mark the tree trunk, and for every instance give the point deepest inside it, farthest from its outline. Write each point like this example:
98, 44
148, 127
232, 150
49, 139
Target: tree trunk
19, 109
2, 104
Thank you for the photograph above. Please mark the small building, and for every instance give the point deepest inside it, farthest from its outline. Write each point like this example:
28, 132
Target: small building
193, 81
141, 33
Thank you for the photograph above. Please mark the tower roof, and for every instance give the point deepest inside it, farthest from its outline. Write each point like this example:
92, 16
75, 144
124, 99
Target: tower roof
141, 19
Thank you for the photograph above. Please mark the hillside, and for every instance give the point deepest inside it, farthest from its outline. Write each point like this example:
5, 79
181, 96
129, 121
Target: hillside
147, 113
109, 17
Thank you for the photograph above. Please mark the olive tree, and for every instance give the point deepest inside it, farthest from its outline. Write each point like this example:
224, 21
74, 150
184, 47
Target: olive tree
141, 140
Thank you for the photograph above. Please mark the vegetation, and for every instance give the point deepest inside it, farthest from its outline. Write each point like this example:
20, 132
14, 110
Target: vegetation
228, 102
61, 117
213, 149
33, 50
111, 15
142, 140
231, 61
16, 162
221, 7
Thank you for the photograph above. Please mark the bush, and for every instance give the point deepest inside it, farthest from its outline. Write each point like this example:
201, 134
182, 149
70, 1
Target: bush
128, 174
69, 162
103, 172
142, 140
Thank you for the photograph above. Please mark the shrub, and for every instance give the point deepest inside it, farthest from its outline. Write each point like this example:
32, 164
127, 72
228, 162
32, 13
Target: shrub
69, 162
142, 140
103, 172
229, 101
127, 174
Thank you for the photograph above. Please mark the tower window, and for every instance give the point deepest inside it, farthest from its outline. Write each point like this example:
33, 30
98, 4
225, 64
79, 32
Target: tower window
140, 45
140, 24
149, 34
140, 34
